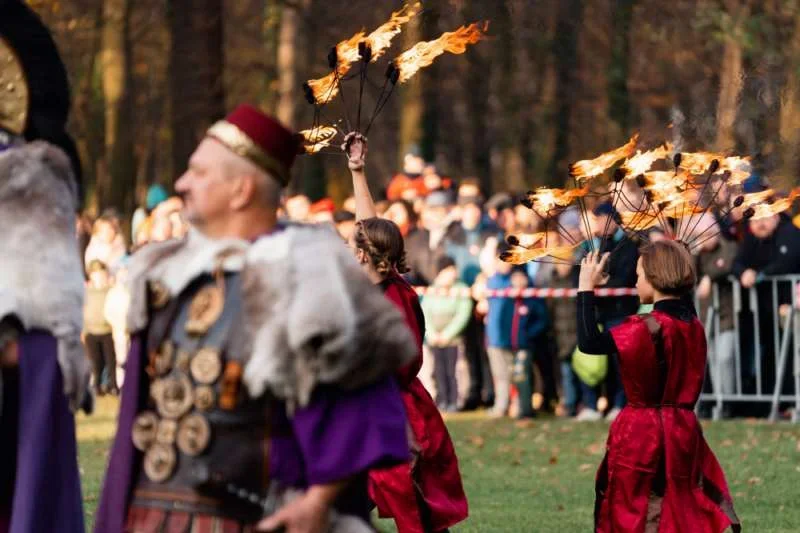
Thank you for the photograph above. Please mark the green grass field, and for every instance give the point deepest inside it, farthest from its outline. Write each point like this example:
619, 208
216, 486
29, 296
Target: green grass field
539, 476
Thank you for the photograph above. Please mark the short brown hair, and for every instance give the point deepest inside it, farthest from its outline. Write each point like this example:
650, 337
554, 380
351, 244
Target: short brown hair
669, 267
382, 241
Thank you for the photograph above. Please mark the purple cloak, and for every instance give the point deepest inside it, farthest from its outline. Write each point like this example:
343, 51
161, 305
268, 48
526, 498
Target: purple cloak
338, 435
43, 470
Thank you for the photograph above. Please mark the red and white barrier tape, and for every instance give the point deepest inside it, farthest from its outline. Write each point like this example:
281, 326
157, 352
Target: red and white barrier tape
524, 293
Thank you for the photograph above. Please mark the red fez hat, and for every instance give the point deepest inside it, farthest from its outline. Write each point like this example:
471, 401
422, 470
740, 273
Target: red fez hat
263, 140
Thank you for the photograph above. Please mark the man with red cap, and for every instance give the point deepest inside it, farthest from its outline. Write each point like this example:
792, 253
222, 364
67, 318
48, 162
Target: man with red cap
259, 387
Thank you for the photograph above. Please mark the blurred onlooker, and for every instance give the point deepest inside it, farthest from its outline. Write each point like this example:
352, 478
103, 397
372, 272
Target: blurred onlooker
607, 236
463, 242
424, 246
83, 230
154, 196
413, 165
106, 243
321, 211
512, 328
349, 204
771, 248
401, 212
500, 208
97, 331
446, 317
345, 222
298, 208
715, 261
116, 314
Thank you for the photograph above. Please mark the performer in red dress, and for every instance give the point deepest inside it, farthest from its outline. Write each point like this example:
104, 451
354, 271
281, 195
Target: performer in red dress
426, 494
659, 475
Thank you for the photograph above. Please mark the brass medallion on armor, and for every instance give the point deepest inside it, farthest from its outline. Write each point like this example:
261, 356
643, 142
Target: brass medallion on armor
167, 432
159, 462
206, 366
162, 359
145, 429
183, 360
159, 294
173, 396
204, 398
205, 309
194, 434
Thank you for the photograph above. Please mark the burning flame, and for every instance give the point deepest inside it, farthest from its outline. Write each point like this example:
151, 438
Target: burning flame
754, 198
590, 168
520, 256
666, 185
698, 162
326, 88
544, 200
424, 53
638, 221
642, 161
380, 39
765, 210
318, 138
528, 240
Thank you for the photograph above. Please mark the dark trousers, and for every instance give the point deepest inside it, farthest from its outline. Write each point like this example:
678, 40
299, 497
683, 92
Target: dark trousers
523, 378
101, 352
444, 371
481, 387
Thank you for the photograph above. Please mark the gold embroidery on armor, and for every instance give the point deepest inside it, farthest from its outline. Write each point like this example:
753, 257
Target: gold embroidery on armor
144, 430
206, 366
159, 294
205, 309
204, 398
173, 396
167, 432
194, 434
159, 462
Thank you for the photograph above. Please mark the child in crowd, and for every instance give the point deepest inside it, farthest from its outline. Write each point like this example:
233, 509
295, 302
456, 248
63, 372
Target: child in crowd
512, 327
446, 318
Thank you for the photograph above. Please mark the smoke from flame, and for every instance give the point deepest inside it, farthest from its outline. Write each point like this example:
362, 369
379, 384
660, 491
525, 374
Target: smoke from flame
424, 53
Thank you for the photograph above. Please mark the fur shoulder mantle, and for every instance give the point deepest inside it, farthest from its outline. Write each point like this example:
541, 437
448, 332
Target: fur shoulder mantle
41, 273
310, 316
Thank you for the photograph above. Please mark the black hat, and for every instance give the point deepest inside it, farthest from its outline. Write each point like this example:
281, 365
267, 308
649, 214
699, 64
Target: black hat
25, 41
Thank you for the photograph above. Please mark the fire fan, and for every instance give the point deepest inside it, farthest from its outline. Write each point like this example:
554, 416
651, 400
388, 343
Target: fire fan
359, 51
655, 189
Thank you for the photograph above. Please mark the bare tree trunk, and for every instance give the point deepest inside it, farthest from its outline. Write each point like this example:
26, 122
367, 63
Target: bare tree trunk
118, 185
411, 110
288, 83
730, 78
197, 96
273, 13
790, 117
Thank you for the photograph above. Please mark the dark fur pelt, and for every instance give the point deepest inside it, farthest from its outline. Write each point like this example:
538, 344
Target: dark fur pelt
41, 274
310, 317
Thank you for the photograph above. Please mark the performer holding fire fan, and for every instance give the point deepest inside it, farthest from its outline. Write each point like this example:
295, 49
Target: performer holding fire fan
659, 475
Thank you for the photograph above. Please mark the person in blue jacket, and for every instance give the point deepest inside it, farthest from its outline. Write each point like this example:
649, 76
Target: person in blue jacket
512, 327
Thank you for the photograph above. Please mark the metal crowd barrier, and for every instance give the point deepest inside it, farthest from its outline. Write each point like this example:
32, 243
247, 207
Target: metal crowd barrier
766, 346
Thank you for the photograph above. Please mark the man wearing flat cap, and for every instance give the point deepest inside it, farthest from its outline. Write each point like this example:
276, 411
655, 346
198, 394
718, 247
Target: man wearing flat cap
259, 387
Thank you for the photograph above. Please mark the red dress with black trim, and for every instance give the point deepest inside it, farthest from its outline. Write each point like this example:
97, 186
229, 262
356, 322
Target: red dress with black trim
659, 474
425, 495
